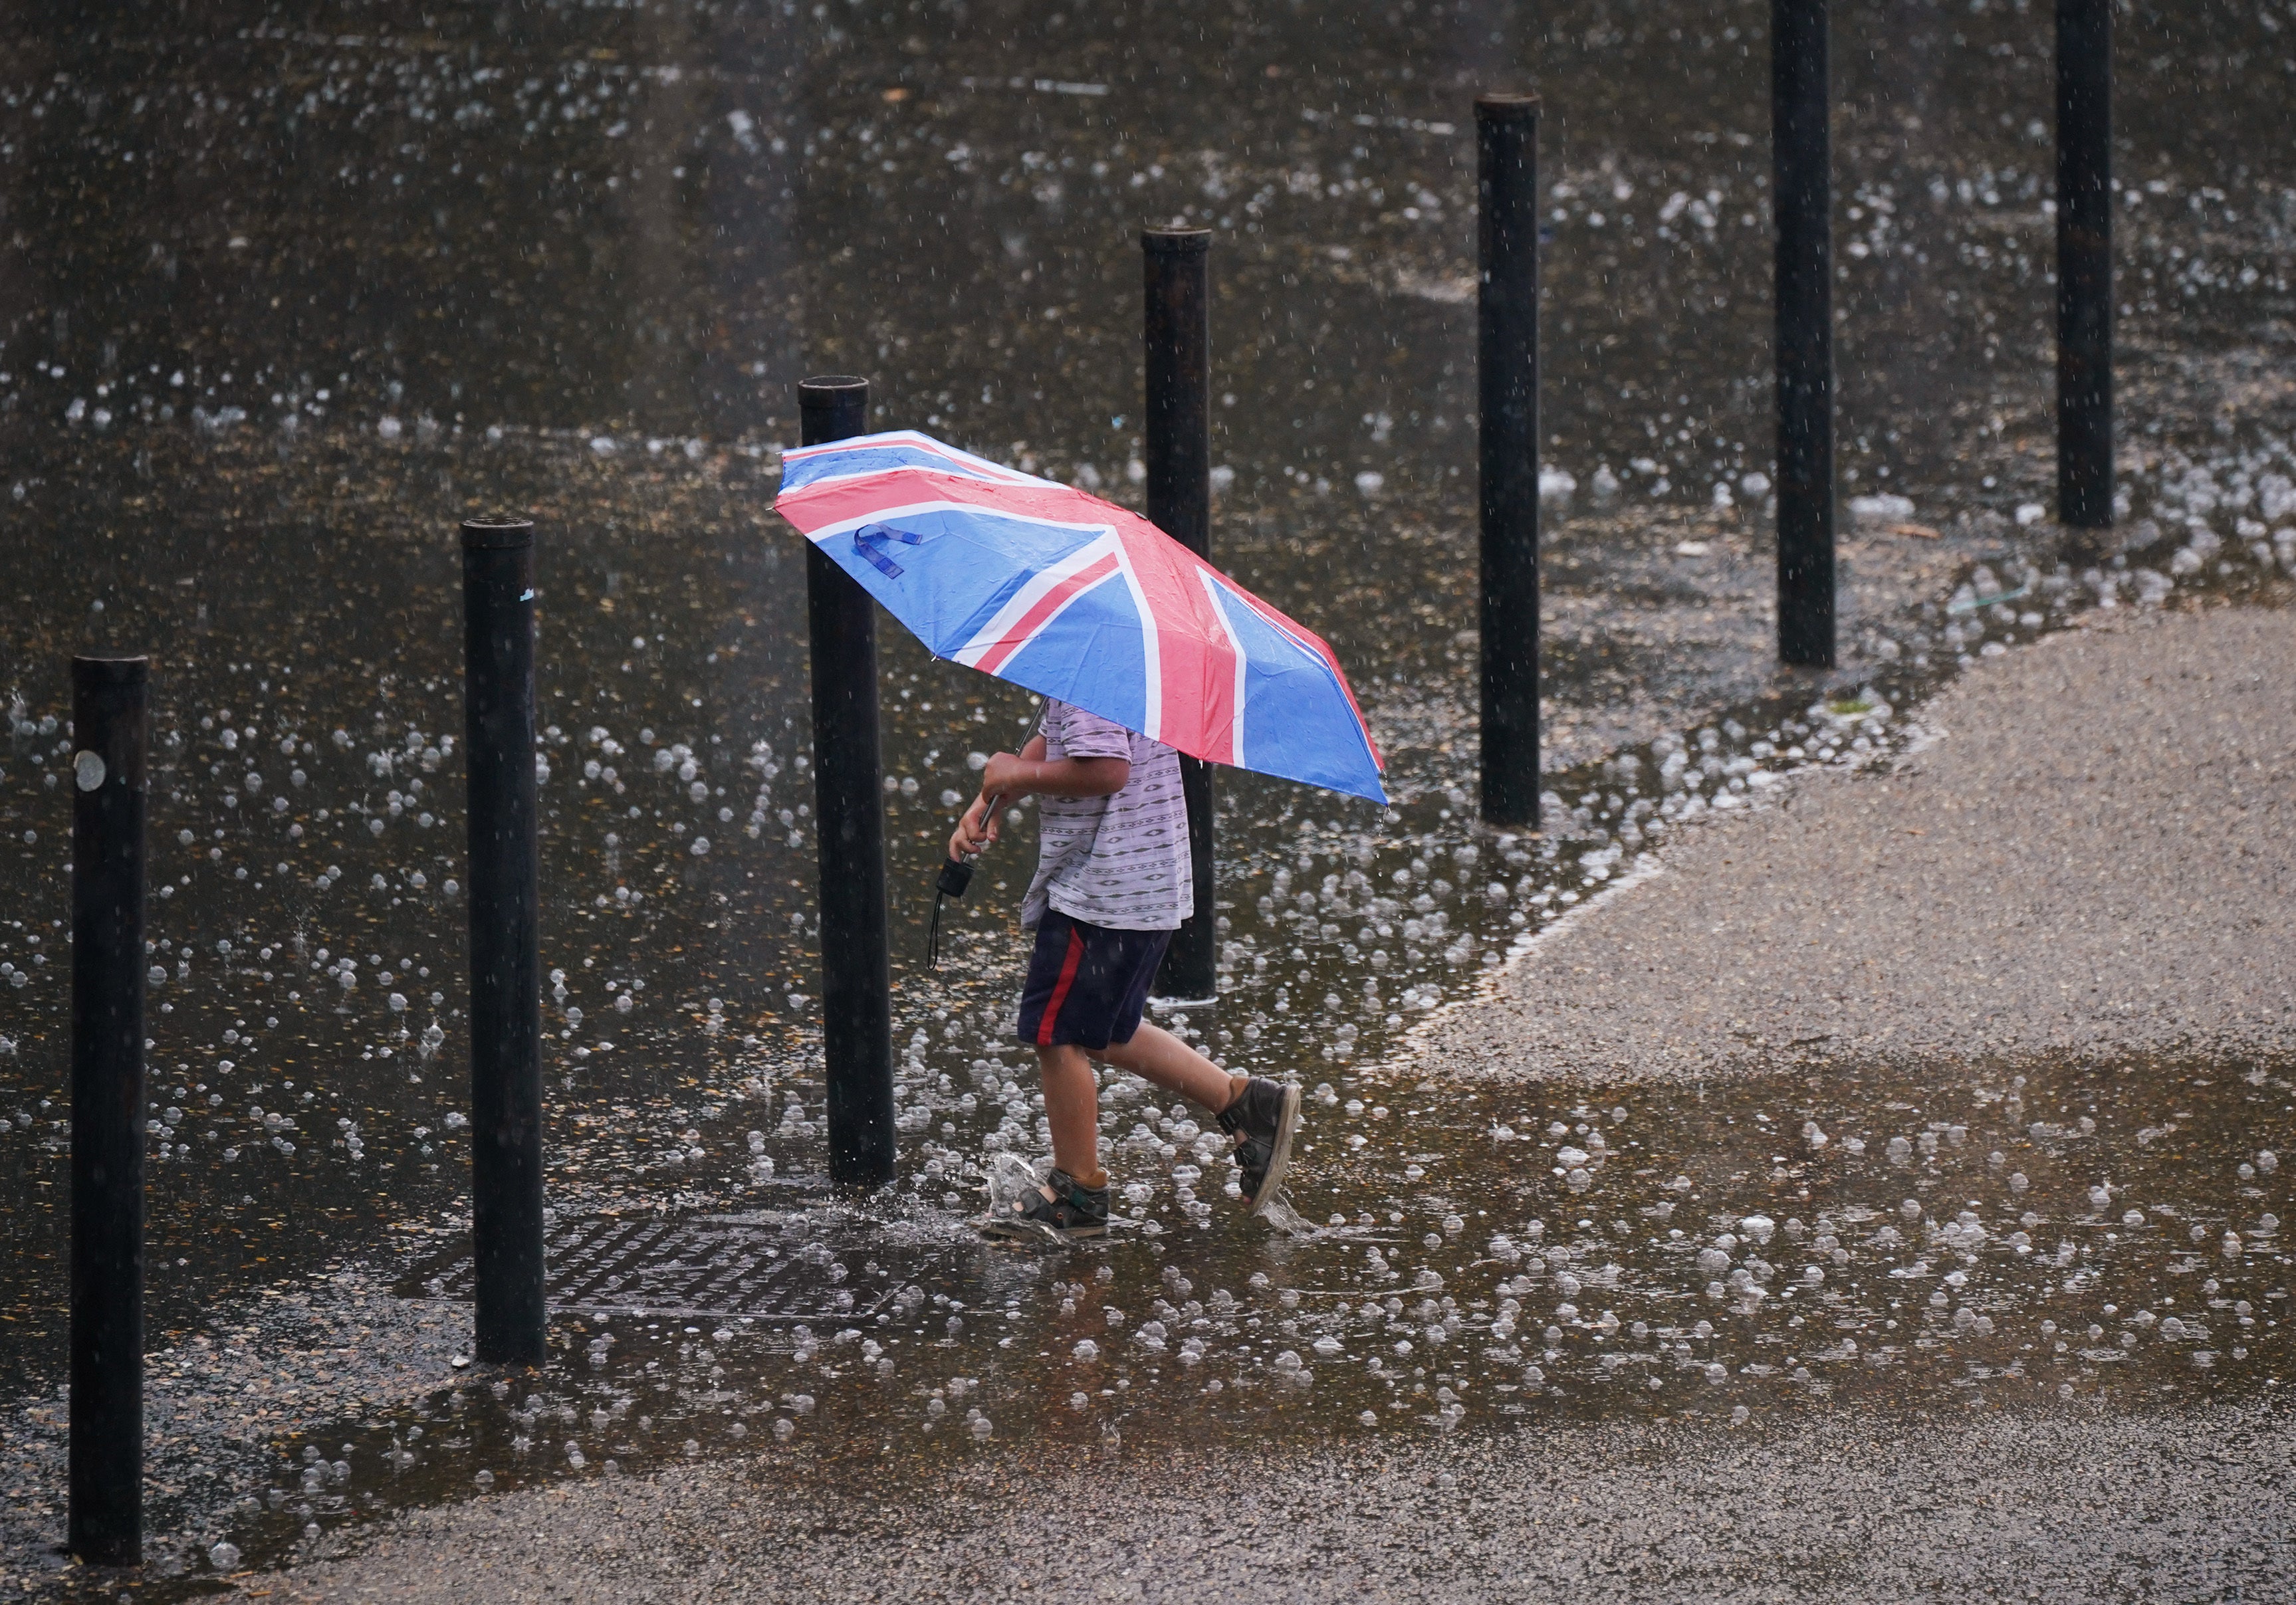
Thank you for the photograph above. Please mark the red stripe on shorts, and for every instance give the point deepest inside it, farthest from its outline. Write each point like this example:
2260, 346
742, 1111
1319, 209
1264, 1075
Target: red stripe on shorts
1060, 988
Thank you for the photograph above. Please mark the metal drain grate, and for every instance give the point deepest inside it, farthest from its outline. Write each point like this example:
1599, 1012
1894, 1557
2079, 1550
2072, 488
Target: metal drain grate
713, 1266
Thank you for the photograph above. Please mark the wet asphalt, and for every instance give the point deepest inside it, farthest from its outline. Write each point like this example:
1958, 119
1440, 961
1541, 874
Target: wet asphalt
2087, 854
1977, 898
2086, 1506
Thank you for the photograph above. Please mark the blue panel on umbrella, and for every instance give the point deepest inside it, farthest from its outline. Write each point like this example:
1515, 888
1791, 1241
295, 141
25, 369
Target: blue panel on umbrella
1092, 656
1296, 720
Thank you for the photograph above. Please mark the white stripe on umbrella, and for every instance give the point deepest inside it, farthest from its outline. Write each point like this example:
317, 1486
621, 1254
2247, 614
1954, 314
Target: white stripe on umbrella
887, 515
1216, 590
1152, 646
1027, 613
958, 461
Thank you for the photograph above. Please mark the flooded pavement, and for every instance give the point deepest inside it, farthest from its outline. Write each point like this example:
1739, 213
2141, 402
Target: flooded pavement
2075, 1505
290, 297
1543, 1261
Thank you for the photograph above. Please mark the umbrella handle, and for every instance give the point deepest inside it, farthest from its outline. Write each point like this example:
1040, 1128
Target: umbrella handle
956, 875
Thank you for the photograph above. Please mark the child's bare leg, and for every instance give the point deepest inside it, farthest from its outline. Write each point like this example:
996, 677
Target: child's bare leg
1072, 1109
1162, 1060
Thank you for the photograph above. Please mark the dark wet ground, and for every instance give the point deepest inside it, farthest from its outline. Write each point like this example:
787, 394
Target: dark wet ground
569, 260
2078, 1502
1890, 1240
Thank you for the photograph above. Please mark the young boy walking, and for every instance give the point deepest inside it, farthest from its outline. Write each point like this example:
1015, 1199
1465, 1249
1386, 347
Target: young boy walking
1112, 883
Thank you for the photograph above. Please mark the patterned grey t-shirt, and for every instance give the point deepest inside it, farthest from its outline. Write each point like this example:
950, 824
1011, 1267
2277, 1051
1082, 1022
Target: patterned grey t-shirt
1120, 861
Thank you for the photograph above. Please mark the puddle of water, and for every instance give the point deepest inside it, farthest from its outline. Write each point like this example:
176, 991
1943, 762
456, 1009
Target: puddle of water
1520, 1257
273, 527
769, 1266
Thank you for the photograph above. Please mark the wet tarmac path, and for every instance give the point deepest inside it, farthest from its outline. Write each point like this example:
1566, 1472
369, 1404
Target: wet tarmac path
289, 293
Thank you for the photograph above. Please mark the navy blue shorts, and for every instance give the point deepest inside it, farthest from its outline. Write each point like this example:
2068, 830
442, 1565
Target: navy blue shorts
1087, 984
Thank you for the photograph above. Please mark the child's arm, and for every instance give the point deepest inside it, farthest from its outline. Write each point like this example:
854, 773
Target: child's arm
1015, 775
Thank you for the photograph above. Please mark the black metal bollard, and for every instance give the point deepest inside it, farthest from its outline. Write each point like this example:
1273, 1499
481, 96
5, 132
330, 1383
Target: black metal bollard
857, 984
1802, 163
1507, 356
2085, 263
111, 705
1179, 452
498, 753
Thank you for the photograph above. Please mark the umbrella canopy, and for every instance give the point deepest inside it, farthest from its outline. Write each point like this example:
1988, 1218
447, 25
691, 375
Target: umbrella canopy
1040, 584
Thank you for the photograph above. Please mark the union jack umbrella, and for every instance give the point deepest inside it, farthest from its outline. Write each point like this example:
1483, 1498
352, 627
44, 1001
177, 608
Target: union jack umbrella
1040, 584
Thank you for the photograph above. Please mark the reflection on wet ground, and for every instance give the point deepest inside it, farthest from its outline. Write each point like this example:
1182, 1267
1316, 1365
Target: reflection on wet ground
297, 294
1517, 1259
